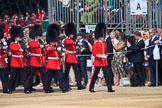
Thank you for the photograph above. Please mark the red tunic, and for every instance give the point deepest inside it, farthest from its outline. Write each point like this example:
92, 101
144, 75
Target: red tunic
99, 48
36, 54
17, 58
34, 20
3, 57
40, 16
54, 61
70, 56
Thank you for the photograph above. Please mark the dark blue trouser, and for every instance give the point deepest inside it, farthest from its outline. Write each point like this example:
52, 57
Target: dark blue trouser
107, 76
139, 70
110, 70
60, 77
4, 77
17, 75
153, 71
33, 70
76, 72
83, 71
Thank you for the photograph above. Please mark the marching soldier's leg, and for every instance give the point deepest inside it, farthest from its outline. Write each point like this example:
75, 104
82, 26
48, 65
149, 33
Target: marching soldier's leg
94, 78
17, 79
61, 79
12, 80
67, 70
29, 80
78, 76
49, 76
23, 76
43, 75
4, 78
107, 76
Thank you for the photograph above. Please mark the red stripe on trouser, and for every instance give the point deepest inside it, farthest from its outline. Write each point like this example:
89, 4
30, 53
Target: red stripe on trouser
92, 76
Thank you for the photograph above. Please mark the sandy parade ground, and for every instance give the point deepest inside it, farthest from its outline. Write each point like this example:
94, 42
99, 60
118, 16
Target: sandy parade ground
124, 97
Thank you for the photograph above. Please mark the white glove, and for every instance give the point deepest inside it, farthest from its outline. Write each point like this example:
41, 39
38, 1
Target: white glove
59, 49
103, 56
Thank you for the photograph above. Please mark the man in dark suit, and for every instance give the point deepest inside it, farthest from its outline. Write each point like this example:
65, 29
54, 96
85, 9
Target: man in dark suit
138, 57
82, 50
110, 57
152, 62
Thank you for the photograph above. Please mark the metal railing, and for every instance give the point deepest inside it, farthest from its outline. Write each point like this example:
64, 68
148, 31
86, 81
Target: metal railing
115, 13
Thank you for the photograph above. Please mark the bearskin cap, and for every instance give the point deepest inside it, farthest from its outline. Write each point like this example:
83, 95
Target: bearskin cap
100, 30
36, 30
16, 31
52, 35
70, 28
54, 27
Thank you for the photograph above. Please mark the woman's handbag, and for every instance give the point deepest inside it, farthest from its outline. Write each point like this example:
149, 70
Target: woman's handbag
125, 81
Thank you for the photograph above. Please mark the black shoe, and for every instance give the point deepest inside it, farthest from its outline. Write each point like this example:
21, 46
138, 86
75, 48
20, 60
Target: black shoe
51, 90
81, 88
4, 90
152, 85
7, 91
85, 84
13, 89
159, 83
48, 91
64, 90
69, 88
27, 91
111, 90
33, 89
92, 90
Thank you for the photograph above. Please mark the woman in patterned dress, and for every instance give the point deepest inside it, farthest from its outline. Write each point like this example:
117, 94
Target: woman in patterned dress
117, 58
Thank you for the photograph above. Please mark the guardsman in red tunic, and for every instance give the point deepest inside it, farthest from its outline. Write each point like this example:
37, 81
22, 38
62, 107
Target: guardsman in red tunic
53, 65
99, 51
37, 61
70, 56
18, 60
3, 62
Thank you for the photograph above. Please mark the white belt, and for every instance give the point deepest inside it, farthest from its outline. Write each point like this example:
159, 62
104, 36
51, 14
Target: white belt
72, 52
33, 54
53, 58
18, 56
